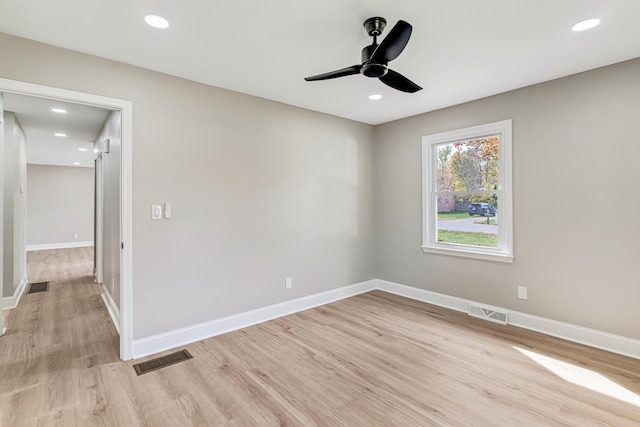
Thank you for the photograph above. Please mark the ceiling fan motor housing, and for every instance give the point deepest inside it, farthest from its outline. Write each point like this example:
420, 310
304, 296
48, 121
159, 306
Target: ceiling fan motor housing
373, 70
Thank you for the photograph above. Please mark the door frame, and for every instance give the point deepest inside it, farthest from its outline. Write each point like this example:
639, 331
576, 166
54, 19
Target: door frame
126, 212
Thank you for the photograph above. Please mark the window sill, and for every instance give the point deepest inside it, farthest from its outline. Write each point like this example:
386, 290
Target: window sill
469, 254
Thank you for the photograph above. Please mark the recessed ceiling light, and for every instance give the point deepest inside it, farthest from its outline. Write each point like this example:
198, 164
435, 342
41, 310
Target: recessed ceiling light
375, 97
83, 149
587, 24
76, 163
59, 110
61, 135
156, 21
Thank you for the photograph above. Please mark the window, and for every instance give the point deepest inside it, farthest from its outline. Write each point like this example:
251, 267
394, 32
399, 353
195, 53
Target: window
472, 167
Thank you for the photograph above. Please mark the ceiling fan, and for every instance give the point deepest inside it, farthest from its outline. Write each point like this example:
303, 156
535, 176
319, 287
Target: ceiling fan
375, 57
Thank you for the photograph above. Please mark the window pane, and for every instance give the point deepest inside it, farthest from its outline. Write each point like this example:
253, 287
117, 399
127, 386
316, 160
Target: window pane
476, 223
444, 173
468, 165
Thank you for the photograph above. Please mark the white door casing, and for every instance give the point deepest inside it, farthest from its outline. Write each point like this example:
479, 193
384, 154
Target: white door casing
125, 108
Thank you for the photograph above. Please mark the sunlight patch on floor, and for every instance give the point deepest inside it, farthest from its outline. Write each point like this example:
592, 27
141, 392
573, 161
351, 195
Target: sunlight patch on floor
584, 377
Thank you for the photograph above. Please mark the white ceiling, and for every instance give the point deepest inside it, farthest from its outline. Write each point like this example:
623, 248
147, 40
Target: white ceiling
81, 124
460, 49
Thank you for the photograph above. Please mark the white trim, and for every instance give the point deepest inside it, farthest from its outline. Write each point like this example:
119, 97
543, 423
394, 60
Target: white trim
126, 218
591, 337
11, 302
468, 254
165, 341
126, 232
114, 313
441, 300
48, 246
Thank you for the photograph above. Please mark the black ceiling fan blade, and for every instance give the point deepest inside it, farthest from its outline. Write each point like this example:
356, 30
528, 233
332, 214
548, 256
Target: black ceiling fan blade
355, 69
399, 82
393, 45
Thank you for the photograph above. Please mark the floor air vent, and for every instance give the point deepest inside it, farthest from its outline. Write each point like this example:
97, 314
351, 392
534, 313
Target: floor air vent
161, 362
487, 313
38, 287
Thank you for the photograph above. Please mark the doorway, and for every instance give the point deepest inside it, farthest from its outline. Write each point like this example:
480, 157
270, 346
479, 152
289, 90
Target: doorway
124, 110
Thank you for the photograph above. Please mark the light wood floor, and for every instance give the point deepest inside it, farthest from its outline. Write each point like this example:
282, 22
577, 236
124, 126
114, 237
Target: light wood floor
371, 360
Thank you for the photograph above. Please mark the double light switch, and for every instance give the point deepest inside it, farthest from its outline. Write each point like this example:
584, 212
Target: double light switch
161, 211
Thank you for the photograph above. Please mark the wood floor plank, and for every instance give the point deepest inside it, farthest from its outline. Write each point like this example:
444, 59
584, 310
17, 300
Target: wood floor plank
372, 360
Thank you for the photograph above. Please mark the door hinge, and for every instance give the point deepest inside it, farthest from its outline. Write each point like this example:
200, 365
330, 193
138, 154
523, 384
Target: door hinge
121, 245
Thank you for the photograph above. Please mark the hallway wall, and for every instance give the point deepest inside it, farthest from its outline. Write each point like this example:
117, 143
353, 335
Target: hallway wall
14, 222
59, 205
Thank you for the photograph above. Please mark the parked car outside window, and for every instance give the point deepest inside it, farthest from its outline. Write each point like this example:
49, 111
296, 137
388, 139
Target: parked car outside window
482, 209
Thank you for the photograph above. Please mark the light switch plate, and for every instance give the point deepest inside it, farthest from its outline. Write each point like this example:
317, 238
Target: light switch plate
156, 211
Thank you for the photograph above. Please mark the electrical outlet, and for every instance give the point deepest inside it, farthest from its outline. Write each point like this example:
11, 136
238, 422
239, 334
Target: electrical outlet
522, 292
75, 236
288, 283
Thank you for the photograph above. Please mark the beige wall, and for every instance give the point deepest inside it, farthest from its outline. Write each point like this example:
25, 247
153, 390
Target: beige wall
261, 191
14, 171
576, 144
59, 205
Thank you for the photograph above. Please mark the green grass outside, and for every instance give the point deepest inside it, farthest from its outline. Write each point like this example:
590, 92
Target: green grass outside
468, 238
453, 215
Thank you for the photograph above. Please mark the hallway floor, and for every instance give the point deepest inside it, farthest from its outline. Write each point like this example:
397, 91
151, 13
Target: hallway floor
57, 343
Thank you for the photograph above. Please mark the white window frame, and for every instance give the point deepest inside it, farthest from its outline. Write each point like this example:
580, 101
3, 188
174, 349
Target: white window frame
504, 250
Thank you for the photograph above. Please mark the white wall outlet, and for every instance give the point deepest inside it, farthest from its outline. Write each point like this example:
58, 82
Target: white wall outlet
288, 283
522, 292
156, 211
167, 210
75, 236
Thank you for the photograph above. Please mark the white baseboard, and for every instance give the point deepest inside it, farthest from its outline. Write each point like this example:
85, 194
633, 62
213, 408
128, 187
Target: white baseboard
165, 341
12, 302
614, 343
58, 246
591, 337
112, 308
441, 300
